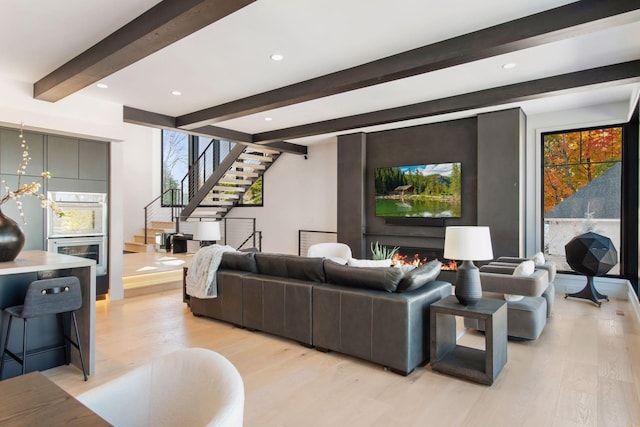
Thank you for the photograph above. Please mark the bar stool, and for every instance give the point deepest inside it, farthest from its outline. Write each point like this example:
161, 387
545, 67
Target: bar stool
57, 296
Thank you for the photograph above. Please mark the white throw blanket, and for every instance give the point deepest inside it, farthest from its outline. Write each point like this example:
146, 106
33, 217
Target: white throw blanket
201, 280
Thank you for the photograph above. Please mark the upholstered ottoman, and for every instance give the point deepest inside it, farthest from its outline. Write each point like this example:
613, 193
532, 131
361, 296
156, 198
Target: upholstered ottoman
525, 318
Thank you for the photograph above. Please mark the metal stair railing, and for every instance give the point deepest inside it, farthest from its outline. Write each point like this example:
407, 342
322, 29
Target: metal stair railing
241, 233
164, 208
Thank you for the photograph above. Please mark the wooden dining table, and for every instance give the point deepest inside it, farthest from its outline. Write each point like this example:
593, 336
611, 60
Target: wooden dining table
35, 400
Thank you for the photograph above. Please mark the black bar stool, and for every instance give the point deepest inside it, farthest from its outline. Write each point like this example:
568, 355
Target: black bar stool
57, 296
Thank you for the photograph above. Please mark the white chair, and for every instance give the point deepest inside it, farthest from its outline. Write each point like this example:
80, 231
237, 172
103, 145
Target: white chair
190, 387
338, 252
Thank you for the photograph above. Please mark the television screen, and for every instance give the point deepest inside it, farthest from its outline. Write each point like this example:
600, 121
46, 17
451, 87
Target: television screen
422, 191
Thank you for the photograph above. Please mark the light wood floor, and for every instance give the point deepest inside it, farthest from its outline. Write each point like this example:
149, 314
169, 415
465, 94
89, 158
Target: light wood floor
578, 373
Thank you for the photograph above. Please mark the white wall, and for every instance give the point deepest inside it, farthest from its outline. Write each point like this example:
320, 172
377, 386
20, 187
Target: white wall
298, 194
141, 175
597, 115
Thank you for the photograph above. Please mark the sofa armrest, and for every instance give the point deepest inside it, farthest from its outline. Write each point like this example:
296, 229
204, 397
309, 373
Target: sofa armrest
529, 286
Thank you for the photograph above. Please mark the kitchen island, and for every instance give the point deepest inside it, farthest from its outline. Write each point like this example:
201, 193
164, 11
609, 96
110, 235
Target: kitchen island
44, 332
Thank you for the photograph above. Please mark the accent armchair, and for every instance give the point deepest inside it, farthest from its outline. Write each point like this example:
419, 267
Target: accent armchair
337, 252
189, 387
526, 307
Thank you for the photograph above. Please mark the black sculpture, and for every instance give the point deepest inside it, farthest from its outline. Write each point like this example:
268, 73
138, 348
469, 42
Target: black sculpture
592, 255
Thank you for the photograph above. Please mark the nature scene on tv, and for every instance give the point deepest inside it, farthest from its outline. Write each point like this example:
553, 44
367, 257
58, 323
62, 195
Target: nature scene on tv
425, 191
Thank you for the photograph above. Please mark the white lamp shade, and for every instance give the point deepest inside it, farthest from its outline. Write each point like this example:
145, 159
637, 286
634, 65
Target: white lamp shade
467, 243
207, 231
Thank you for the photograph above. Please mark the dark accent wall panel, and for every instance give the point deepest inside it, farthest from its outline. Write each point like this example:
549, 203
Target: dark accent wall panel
351, 191
453, 141
500, 136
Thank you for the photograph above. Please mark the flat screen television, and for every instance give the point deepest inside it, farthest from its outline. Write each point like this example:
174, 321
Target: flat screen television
419, 191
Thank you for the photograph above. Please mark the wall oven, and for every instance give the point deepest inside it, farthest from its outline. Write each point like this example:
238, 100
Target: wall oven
85, 214
81, 230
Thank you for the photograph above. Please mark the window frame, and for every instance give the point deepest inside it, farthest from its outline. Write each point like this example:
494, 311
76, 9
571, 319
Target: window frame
623, 196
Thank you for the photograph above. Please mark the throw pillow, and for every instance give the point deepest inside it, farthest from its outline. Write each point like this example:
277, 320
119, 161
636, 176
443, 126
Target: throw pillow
525, 268
420, 276
352, 262
538, 258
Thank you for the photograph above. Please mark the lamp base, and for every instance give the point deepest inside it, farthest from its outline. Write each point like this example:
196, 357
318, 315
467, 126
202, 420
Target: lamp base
468, 288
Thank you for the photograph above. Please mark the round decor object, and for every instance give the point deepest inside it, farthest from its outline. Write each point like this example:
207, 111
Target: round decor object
591, 254
11, 238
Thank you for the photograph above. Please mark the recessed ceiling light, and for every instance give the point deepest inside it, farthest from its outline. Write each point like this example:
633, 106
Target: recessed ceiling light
102, 85
176, 92
268, 119
509, 65
277, 57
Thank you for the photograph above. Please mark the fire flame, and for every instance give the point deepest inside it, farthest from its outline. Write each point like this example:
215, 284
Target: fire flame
416, 261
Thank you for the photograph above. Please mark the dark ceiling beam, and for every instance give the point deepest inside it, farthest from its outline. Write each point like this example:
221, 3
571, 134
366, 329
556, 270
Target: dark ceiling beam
162, 121
623, 73
534, 30
160, 26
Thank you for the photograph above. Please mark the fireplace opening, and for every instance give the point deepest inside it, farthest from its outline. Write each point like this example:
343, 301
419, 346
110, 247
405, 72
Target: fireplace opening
420, 256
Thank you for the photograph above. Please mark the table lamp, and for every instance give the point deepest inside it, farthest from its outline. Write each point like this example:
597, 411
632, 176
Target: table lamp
208, 232
468, 244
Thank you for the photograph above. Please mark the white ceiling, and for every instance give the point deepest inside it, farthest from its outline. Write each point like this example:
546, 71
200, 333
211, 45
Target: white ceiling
229, 59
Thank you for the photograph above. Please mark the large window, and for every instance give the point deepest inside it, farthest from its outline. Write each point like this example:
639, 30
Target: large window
175, 164
582, 187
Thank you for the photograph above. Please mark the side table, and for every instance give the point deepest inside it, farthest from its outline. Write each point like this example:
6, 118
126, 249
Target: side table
465, 362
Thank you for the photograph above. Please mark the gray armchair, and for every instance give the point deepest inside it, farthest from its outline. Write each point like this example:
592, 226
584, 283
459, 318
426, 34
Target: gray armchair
526, 314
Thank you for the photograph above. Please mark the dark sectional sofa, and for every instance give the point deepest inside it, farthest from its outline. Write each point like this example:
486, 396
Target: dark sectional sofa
376, 314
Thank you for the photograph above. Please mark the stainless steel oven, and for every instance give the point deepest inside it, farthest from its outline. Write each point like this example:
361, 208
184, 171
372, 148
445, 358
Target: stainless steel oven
84, 214
85, 247
81, 230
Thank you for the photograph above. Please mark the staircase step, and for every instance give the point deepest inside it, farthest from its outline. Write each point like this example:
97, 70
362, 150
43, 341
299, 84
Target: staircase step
207, 215
241, 173
261, 150
220, 203
228, 180
225, 188
215, 195
255, 166
139, 247
261, 159
163, 224
139, 238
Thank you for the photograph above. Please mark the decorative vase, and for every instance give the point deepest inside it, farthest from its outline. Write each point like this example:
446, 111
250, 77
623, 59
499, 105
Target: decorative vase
11, 238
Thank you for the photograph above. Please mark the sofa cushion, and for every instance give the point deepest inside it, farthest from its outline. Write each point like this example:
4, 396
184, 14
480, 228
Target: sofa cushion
241, 261
377, 278
420, 276
291, 266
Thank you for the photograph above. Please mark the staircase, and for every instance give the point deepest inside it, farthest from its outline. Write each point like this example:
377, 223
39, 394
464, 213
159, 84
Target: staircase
212, 190
138, 244
225, 187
